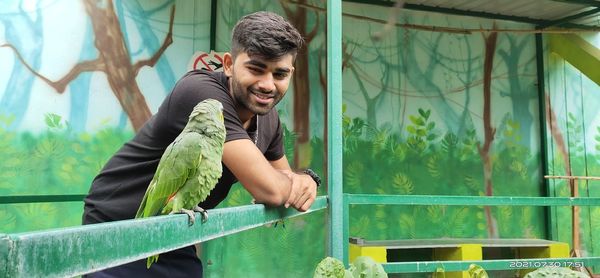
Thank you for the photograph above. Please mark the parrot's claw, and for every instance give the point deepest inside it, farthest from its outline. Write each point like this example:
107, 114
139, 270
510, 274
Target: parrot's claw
203, 212
190, 214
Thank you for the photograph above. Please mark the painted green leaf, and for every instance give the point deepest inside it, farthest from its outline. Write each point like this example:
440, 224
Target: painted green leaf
411, 129
416, 120
52, 120
424, 114
430, 125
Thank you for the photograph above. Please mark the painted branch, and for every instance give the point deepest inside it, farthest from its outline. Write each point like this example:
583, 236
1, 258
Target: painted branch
60, 85
120, 72
572, 177
166, 43
311, 35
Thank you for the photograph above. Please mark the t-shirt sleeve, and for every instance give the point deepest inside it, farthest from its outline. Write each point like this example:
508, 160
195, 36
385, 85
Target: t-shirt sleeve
190, 90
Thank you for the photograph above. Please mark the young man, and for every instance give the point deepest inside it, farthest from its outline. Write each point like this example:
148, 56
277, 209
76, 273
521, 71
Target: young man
256, 76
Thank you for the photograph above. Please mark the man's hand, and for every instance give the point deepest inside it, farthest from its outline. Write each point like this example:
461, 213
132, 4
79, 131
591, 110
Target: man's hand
303, 191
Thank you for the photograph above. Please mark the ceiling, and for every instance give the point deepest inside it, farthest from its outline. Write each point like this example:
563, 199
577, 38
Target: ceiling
582, 14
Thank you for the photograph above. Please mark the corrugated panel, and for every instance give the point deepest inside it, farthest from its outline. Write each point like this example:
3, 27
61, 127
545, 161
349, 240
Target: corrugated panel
534, 9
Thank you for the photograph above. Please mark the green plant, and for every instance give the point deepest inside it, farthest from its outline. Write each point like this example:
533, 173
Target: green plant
362, 267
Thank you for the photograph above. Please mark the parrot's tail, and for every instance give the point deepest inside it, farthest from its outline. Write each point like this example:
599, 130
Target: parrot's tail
151, 260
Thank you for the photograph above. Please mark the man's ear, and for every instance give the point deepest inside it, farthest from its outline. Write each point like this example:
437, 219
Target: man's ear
228, 64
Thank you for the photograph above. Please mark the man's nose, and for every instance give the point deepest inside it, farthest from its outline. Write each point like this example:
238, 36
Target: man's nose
266, 83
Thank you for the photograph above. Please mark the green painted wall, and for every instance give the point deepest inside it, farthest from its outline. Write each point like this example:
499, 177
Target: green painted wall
574, 100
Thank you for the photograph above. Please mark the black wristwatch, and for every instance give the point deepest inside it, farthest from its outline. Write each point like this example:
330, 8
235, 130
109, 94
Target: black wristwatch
313, 175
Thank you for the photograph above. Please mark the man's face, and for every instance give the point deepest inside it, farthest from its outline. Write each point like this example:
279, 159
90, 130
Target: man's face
258, 84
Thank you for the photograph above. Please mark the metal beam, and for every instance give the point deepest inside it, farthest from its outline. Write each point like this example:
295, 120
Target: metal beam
592, 3
578, 52
570, 18
69, 252
451, 11
550, 212
19, 199
213, 25
487, 15
374, 199
334, 129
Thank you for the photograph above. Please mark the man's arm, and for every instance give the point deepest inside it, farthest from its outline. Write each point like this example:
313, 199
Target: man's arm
267, 184
304, 188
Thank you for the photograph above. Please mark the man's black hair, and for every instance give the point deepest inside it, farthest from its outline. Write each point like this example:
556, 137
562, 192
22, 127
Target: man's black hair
265, 34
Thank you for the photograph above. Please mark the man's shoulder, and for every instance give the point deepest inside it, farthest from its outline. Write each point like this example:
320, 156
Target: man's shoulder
198, 85
205, 75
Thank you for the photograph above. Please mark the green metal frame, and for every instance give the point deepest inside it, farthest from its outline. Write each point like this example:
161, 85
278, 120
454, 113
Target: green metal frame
74, 251
547, 188
563, 22
334, 128
20, 199
213, 24
433, 266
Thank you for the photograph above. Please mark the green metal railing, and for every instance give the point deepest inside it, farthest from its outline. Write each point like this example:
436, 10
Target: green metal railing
21, 199
73, 251
433, 266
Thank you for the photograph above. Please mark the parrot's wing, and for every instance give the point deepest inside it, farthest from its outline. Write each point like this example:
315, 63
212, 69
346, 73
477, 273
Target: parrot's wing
178, 164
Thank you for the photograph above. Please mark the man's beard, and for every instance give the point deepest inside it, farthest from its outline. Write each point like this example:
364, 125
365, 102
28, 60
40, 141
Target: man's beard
244, 97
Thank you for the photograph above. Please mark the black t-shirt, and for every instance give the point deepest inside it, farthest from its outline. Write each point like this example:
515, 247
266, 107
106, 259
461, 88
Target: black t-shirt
118, 189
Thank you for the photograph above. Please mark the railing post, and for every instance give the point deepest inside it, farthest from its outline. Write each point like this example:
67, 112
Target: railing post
346, 230
334, 127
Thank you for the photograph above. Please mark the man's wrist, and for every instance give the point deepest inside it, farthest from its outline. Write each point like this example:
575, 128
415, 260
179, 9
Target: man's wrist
313, 175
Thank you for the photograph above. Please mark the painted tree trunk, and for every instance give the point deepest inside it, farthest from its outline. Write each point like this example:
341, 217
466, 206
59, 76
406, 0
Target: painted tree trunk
25, 34
562, 149
421, 78
80, 87
115, 58
301, 94
152, 42
520, 97
489, 131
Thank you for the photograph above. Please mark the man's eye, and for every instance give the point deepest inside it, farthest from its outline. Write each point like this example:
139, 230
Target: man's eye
255, 70
280, 75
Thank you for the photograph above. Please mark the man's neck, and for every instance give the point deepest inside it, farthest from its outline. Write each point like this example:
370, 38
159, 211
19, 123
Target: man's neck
248, 123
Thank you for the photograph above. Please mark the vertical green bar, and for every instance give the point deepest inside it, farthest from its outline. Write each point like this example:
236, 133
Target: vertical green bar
346, 229
547, 187
213, 24
334, 128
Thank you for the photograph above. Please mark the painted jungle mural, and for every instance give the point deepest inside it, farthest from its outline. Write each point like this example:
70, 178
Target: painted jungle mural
432, 104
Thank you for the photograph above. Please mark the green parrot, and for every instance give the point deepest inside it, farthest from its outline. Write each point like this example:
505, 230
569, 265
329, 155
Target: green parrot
189, 168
